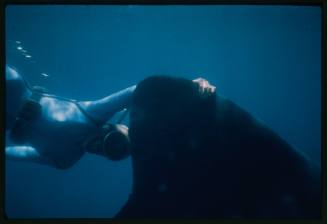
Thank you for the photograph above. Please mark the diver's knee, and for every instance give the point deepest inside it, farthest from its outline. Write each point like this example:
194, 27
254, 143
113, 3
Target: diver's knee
116, 143
112, 142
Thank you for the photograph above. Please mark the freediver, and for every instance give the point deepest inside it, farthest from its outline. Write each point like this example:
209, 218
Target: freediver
56, 131
194, 153
196, 157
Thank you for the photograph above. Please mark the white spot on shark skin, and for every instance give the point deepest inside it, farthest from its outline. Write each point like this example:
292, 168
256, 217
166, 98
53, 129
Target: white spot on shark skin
19, 48
290, 202
236, 216
171, 156
143, 158
193, 144
28, 56
288, 199
18, 42
162, 188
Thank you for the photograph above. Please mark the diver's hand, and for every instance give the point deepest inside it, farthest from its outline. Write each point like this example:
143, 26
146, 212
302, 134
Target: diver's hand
204, 87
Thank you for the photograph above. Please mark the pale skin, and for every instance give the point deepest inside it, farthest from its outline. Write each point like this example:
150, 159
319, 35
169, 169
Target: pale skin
64, 123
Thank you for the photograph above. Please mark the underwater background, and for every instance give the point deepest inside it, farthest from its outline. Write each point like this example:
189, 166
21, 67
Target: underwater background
267, 59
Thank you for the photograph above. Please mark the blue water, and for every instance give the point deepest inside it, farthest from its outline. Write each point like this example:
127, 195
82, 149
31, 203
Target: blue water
265, 58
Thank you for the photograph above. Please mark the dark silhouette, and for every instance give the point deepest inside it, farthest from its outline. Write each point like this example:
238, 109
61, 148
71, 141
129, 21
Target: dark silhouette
205, 157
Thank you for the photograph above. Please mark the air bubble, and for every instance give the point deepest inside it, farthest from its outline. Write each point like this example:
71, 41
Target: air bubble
44, 74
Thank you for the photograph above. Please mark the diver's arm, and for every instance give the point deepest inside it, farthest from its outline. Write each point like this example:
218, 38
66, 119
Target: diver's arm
103, 109
25, 153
